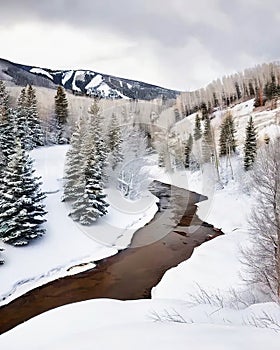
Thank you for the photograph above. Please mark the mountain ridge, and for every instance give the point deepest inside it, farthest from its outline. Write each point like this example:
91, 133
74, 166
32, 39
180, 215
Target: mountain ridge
83, 82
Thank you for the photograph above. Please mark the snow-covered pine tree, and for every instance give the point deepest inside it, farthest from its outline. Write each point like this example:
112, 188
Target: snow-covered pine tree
21, 209
250, 147
197, 128
7, 137
207, 141
22, 128
73, 168
114, 142
188, 149
61, 113
90, 203
33, 122
4, 121
96, 135
227, 139
4, 102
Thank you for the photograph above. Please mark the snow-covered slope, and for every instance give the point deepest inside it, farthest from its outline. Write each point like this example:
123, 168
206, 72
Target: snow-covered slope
84, 82
266, 121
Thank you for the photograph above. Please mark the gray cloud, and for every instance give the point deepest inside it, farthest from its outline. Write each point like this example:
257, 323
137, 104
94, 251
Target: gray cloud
224, 35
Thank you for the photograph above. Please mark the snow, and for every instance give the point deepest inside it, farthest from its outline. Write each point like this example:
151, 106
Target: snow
41, 71
214, 267
74, 86
67, 75
95, 81
80, 75
47, 257
124, 217
109, 324
241, 113
103, 87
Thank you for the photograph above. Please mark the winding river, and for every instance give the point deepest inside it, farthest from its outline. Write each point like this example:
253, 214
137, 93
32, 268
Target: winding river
167, 240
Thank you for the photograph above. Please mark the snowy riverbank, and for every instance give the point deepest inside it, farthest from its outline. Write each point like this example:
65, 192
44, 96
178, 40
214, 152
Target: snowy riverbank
67, 244
184, 319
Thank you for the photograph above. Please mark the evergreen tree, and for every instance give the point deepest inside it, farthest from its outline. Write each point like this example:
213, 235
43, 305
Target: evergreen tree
50, 130
90, 201
197, 128
61, 113
204, 111
250, 147
33, 123
73, 169
188, 149
22, 126
4, 103
227, 139
114, 142
7, 137
207, 142
95, 130
21, 208
6, 126
85, 164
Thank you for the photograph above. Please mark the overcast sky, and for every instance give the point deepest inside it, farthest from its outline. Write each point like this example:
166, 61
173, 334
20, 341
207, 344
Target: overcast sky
180, 44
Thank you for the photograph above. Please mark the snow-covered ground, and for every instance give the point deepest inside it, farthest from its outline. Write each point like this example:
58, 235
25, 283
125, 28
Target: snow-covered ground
214, 266
67, 244
109, 324
265, 121
175, 317
197, 293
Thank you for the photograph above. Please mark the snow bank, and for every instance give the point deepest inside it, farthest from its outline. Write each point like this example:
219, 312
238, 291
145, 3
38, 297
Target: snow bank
108, 324
215, 265
67, 244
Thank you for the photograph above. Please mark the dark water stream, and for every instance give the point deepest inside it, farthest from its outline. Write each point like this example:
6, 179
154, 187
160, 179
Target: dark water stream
131, 273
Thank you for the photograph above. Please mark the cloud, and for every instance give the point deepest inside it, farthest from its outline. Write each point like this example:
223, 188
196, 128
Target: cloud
178, 44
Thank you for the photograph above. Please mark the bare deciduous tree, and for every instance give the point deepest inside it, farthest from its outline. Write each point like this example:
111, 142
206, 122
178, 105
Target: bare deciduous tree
262, 258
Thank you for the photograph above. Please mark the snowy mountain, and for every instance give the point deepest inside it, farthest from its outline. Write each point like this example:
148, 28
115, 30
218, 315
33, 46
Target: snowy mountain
82, 82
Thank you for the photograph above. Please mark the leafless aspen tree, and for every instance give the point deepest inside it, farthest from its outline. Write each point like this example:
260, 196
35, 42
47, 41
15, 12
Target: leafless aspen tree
262, 259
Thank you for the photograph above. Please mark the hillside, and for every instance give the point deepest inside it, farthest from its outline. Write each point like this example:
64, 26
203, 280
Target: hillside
82, 82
